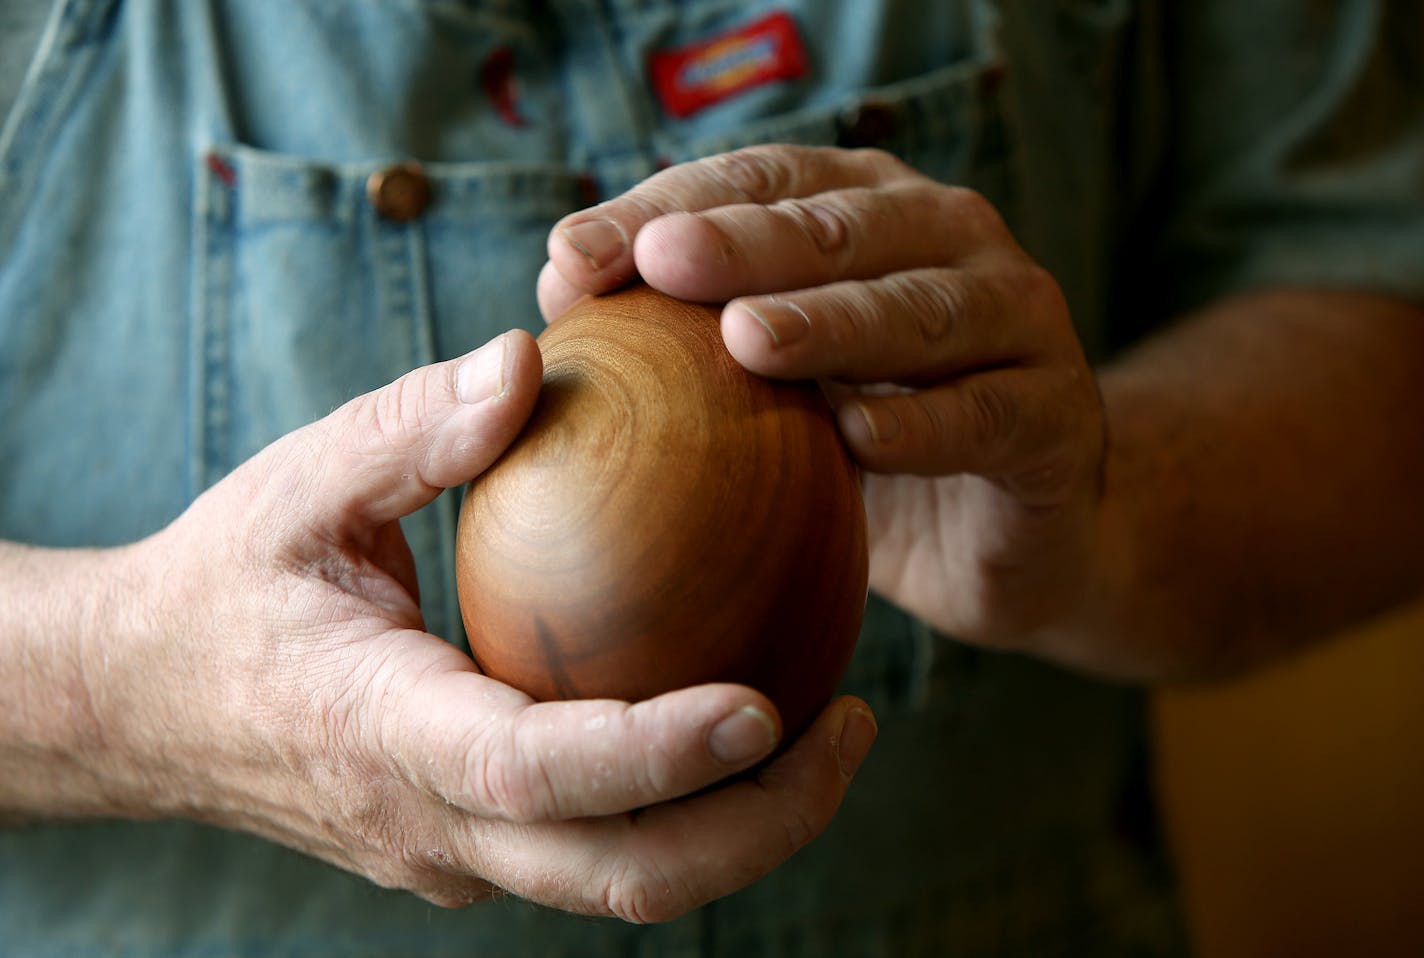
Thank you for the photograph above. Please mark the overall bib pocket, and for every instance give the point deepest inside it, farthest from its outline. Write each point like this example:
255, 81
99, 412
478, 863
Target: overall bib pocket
314, 282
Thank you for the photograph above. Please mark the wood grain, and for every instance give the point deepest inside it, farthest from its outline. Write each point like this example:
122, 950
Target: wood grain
665, 519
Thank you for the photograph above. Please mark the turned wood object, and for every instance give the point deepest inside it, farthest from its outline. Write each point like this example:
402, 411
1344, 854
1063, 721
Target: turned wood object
665, 519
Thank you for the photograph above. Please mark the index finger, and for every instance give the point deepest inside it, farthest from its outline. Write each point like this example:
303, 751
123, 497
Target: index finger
592, 250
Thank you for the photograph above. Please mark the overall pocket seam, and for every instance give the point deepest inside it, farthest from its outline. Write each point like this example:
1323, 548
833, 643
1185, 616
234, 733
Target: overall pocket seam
212, 271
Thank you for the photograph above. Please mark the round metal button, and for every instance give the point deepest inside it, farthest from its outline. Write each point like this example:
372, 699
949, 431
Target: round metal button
399, 193
871, 123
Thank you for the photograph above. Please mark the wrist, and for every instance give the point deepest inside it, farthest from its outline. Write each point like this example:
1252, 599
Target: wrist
60, 610
1129, 623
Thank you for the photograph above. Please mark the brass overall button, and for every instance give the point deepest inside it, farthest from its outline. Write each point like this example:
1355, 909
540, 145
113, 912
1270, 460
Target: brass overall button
400, 193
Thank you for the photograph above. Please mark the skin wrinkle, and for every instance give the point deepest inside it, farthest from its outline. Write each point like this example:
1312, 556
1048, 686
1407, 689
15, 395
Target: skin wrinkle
341, 558
657, 771
365, 464
846, 326
936, 309
643, 893
499, 785
991, 415
82, 692
798, 829
824, 224
727, 251
649, 206
465, 785
747, 175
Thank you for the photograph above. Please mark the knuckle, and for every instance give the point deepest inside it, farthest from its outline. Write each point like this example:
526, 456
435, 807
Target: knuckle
663, 758
383, 846
804, 813
756, 174
1041, 293
658, 771
824, 222
389, 419
434, 875
930, 431
849, 321
452, 898
799, 829
644, 896
395, 874
970, 210
370, 818
405, 868
503, 785
884, 164
991, 416
932, 307
390, 869
647, 202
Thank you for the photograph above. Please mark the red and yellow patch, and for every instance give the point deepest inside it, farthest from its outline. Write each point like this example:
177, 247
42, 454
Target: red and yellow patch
693, 77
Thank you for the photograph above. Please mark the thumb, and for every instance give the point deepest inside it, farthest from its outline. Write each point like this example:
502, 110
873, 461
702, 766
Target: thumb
389, 452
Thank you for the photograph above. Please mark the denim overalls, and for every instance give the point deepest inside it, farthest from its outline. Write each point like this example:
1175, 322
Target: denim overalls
193, 262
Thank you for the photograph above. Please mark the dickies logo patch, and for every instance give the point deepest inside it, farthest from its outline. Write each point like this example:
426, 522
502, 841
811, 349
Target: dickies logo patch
693, 77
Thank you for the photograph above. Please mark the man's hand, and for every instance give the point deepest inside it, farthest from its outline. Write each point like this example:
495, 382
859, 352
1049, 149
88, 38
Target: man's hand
1261, 486
959, 383
262, 664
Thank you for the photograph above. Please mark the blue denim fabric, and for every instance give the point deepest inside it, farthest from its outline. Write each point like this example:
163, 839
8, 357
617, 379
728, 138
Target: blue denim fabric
189, 268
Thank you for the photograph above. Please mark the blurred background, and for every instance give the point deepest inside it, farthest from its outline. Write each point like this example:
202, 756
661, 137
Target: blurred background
1295, 799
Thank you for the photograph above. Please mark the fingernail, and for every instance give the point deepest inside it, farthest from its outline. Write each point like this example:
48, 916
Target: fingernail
598, 241
858, 733
784, 322
481, 374
882, 423
746, 734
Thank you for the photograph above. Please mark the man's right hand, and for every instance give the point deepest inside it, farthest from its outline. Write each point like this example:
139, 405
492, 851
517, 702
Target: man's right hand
262, 664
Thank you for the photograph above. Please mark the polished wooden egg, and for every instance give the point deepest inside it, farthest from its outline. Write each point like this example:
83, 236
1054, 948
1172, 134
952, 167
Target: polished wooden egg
665, 519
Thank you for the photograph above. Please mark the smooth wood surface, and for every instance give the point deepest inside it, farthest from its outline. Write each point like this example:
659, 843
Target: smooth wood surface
665, 519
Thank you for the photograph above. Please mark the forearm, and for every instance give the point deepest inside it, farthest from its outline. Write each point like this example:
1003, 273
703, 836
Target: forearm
1262, 478
57, 609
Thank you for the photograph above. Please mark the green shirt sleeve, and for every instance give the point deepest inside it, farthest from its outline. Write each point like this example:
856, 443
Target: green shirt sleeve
1297, 156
